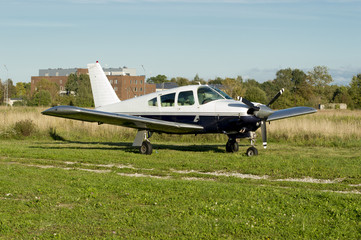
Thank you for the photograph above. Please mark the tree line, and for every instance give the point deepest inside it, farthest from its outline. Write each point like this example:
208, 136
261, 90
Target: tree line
77, 92
301, 88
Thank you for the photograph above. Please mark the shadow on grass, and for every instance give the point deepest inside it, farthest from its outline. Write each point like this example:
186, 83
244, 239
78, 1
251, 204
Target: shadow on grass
127, 146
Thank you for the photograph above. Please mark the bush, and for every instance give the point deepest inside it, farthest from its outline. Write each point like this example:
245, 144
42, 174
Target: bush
25, 128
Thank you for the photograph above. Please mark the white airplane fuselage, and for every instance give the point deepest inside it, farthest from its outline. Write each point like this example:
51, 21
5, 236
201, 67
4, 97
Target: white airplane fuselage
216, 116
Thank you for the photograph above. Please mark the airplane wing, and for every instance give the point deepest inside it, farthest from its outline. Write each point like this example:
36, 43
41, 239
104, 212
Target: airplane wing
125, 120
290, 112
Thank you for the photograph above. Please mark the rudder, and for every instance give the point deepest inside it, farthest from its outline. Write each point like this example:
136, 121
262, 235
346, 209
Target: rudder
103, 92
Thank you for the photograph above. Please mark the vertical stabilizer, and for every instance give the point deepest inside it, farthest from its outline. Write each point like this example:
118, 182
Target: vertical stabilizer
103, 92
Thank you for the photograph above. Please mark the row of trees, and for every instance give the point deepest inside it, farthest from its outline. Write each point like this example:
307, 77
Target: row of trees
306, 89
78, 92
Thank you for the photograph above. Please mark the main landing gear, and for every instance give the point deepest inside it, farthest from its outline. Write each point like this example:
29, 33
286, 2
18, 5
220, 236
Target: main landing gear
141, 141
146, 147
232, 145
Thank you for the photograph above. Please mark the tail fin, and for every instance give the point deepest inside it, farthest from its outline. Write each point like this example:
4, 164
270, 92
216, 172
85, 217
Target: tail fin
103, 93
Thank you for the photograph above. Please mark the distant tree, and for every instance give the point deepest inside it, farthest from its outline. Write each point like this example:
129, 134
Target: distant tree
181, 81
22, 89
284, 79
158, 79
341, 95
72, 84
233, 87
196, 80
239, 79
66, 100
355, 90
11, 88
42, 98
84, 96
1, 92
256, 94
251, 83
319, 76
215, 81
51, 87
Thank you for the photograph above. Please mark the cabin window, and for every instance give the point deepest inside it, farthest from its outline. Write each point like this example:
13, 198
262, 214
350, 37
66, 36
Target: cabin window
206, 95
153, 102
167, 100
185, 98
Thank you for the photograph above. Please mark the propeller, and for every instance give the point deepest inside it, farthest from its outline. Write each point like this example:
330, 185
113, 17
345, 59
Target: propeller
263, 112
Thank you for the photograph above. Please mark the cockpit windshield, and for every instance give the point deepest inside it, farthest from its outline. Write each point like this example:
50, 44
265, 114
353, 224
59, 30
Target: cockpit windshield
207, 94
222, 93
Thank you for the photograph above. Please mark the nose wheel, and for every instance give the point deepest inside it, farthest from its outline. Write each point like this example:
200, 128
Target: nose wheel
252, 151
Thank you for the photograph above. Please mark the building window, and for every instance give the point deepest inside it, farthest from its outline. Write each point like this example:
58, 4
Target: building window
141, 81
141, 89
135, 89
135, 81
111, 81
61, 81
116, 81
130, 80
116, 88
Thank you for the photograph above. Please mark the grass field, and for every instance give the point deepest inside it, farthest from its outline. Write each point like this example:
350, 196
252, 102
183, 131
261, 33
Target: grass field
307, 184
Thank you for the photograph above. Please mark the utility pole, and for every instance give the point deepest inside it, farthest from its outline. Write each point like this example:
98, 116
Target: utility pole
145, 75
6, 90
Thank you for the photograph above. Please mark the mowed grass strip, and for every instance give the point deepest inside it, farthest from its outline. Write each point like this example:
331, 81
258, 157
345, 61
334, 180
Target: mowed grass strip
45, 203
279, 161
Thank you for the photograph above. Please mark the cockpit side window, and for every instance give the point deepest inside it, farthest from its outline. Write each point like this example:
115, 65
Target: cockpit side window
185, 98
206, 95
167, 100
153, 102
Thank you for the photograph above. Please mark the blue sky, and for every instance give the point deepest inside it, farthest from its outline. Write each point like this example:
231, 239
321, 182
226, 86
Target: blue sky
210, 38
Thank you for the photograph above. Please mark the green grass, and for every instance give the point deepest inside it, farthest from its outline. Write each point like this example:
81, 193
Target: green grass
80, 190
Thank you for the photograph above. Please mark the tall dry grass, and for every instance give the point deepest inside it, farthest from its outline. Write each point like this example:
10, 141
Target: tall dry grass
340, 125
66, 128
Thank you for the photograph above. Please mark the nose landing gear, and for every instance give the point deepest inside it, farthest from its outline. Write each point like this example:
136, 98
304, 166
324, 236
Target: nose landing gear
232, 145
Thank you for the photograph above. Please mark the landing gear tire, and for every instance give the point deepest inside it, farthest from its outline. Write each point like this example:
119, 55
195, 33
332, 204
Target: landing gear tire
232, 146
146, 148
252, 151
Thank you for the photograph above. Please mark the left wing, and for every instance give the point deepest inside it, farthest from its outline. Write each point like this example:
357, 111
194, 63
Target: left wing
125, 120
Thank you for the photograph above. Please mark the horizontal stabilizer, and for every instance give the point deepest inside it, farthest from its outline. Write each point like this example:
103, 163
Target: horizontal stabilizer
290, 112
125, 120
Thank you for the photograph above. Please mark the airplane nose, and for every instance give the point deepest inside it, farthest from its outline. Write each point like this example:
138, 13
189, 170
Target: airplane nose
264, 112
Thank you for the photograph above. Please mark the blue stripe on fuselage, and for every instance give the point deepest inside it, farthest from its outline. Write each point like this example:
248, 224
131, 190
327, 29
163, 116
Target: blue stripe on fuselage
213, 124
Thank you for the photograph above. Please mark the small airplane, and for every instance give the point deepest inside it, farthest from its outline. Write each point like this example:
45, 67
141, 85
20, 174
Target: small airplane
193, 109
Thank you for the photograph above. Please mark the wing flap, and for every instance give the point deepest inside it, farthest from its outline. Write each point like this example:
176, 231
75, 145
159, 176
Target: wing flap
125, 120
290, 112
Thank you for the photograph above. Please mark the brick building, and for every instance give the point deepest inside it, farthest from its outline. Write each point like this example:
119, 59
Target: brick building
123, 80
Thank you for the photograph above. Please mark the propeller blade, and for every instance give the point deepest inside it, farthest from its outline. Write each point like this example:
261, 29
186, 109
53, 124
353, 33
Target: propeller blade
264, 133
276, 97
249, 103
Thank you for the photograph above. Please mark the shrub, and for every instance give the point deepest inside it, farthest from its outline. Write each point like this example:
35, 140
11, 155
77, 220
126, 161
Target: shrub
24, 128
